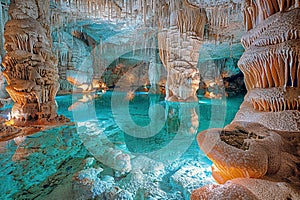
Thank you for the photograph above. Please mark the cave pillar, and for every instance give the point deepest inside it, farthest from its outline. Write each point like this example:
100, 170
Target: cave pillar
271, 60
181, 29
30, 68
256, 145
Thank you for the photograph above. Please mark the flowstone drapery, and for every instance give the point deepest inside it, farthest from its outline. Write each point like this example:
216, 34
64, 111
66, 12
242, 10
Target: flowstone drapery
271, 62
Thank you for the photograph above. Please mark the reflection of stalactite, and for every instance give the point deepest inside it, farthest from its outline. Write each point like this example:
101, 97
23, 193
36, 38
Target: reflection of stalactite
182, 118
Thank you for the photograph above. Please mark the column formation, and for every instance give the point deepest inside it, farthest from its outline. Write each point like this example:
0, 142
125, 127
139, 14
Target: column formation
181, 30
30, 68
271, 61
251, 156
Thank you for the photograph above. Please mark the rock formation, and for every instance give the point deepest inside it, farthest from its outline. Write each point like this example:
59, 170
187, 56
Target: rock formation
30, 68
179, 37
179, 40
271, 62
257, 156
1, 32
238, 152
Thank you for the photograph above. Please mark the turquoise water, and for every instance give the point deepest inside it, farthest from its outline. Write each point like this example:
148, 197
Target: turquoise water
146, 128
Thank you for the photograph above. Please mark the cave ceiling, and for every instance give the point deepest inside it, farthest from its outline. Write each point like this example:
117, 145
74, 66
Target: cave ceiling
223, 29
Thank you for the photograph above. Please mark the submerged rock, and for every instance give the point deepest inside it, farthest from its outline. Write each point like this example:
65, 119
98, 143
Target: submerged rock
190, 177
87, 184
117, 193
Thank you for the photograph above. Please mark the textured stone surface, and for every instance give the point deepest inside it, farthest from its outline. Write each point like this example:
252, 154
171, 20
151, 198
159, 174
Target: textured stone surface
179, 41
30, 68
188, 178
71, 54
238, 152
88, 185
271, 61
260, 143
286, 120
180, 35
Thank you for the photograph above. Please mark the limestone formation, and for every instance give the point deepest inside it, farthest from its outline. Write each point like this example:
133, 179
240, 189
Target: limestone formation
238, 152
265, 159
246, 189
256, 156
256, 12
270, 63
30, 68
183, 26
181, 29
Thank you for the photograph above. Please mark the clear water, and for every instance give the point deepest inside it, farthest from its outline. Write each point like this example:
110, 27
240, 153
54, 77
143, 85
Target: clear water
146, 128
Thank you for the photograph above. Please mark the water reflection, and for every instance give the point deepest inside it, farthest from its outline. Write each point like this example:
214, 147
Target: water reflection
146, 125
81, 103
182, 118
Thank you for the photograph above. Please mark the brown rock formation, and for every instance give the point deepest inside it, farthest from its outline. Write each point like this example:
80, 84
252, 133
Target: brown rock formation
30, 67
257, 11
246, 189
251, 161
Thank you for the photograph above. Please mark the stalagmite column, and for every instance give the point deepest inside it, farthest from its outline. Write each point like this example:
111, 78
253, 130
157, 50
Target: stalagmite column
181, 29
30, 67
256, 156
271, 61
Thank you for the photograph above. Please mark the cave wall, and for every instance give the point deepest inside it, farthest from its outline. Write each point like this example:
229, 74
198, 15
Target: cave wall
220, 77
180, 36
3, 20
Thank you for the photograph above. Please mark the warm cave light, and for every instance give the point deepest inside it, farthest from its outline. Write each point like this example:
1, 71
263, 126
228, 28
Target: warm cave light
210, 95
9, 123
130, 78
130, 95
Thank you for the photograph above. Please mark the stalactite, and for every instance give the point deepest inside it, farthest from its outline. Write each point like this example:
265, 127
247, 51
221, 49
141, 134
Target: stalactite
257, 11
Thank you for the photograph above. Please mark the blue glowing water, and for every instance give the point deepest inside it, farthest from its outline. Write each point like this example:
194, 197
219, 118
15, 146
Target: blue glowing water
41, 166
